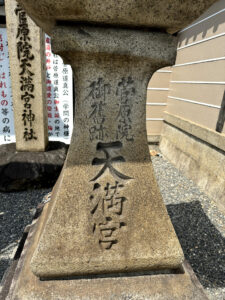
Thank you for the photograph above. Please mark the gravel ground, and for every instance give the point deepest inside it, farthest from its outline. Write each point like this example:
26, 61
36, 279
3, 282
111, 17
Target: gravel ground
198, 224
16, 211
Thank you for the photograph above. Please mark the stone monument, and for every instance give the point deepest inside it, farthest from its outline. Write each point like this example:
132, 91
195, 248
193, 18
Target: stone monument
106, 215
28, 74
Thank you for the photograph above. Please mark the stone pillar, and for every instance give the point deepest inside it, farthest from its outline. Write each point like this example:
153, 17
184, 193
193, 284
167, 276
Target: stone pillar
107, 214
27, 67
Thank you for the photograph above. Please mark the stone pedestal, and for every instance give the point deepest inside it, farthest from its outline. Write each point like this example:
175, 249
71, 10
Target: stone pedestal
28, 73
21, 284
107, 214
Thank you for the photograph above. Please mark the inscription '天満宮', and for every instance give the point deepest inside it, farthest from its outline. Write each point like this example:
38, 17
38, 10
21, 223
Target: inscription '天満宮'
106, 199
107, 212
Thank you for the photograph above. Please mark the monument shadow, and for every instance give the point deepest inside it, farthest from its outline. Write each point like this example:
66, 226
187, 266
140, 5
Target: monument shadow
202, 243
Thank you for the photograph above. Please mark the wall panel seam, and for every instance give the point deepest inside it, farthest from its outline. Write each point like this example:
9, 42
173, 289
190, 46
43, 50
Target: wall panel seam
195, 102
158, 89
163, 71
156, 104
202, 41
203, 20
154, 119
200, 61
198, 82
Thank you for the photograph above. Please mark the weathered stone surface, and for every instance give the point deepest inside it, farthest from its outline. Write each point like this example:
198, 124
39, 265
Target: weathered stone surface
107, 214
28, 75
175, 285
24, 170
170, 15
111, 45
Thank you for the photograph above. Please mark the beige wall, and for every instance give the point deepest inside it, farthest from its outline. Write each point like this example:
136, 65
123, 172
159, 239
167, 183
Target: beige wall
195, 95
197, 80
198, 77
157, 94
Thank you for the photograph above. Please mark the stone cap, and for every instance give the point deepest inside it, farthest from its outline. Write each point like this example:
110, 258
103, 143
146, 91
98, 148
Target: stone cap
166, 15
157, 47
207, 135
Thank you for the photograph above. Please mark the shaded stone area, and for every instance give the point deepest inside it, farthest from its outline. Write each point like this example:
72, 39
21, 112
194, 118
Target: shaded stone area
27, 170
202, 243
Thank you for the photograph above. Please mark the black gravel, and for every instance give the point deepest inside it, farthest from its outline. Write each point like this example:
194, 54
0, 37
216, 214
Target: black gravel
16, 211
198, 223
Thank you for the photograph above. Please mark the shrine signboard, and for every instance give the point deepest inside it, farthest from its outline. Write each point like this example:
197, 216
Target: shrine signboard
27, 65
7, 134
59, 96
59, 82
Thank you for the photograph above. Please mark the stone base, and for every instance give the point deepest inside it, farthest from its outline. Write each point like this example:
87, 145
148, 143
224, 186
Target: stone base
22, 284
153, 139
28, 170
198, 152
